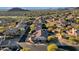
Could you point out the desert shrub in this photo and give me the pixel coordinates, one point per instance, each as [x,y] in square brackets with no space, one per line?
[72,37]
[50,29]
[77,21]
[77,26]
[66,19]
[51,38]
[52,47]
[32,27]
[25,49]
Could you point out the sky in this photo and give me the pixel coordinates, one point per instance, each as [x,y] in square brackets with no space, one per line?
[39,3]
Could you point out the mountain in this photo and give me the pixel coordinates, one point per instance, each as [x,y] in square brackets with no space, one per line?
[76,7]
[17,9]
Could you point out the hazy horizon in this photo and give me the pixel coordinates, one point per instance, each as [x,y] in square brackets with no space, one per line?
[30,8]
